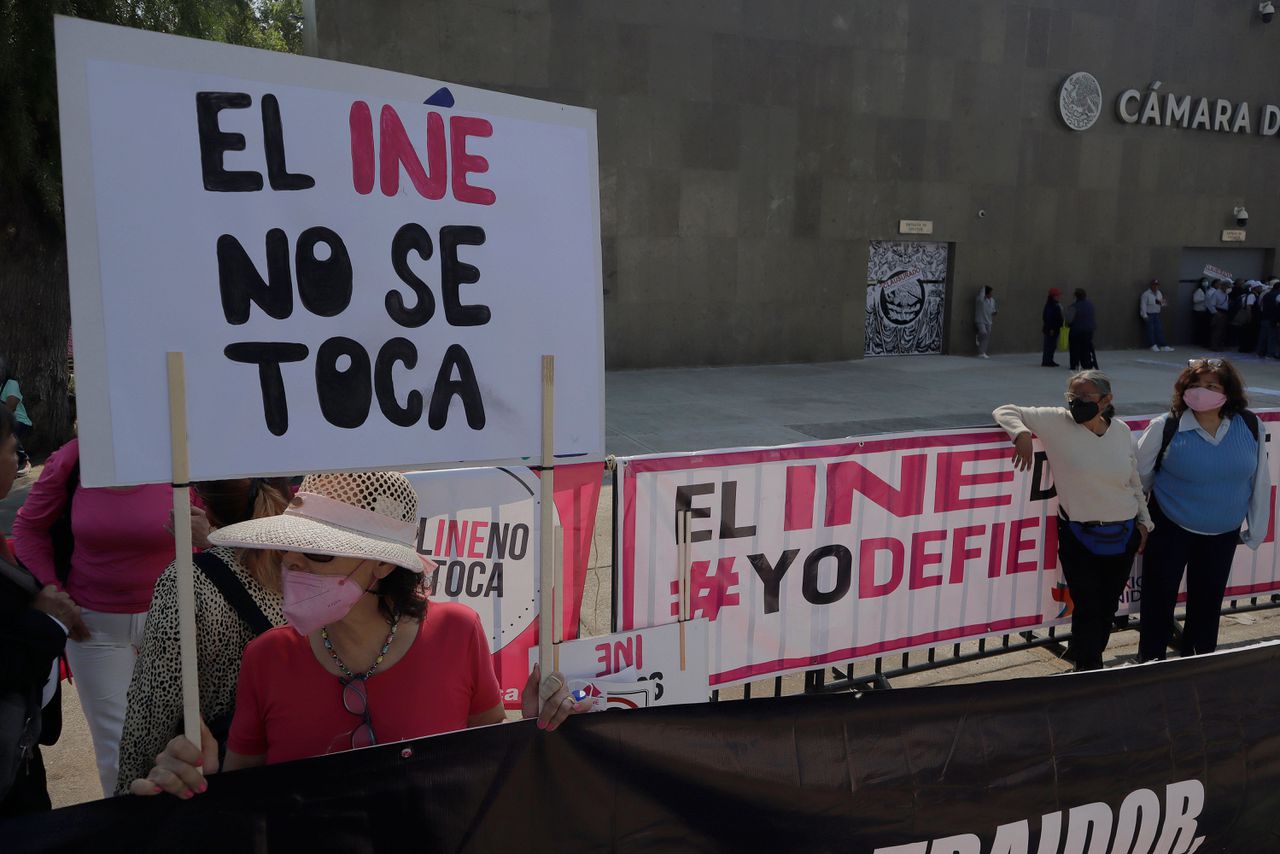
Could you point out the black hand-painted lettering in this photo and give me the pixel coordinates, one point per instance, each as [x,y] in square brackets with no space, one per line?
[454,273]
[240,283]
[684,501]
[464,387]
[323,286]
[729,513]
[345,395]
[1040,468]
[396,350]
[268,356]
[273,139]
[771,576]
[844,574]
[411,236]
[214,142]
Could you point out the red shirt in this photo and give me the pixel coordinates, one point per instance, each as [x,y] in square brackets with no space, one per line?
[289,707]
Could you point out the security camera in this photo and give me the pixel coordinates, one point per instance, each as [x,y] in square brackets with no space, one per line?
[1267,10]
[1241,215]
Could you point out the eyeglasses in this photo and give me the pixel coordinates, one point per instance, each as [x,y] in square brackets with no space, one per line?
[1205,363]
[1087,398]
[355,699]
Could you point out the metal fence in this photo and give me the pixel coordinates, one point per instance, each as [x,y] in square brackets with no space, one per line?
[831,680]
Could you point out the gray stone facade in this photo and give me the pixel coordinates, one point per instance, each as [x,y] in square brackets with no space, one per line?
[751,149]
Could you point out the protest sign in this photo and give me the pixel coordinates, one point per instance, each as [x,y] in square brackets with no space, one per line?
[813,554]
[361,267]
[1175,756]
[658,666]
[481,525]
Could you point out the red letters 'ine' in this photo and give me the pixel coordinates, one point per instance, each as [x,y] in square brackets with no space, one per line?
[395,149]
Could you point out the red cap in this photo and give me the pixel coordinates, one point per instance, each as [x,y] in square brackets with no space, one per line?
[1054,292]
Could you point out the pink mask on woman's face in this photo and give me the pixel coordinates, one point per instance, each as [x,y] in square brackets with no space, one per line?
[1203,399]
[312,601]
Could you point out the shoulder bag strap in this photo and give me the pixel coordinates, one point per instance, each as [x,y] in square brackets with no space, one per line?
[1170,430]
[1251,418]
[233,590]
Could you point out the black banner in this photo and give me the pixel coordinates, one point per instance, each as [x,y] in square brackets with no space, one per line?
[1174,757]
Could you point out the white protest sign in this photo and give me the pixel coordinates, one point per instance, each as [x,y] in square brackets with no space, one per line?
[358,279]
[1217,272]
[642,667]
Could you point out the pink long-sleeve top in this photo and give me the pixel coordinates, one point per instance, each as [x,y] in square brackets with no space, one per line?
[122,541]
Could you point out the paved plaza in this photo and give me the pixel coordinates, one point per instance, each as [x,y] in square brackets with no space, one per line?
[688,409]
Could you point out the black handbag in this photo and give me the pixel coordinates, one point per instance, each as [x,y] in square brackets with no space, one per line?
[20,718]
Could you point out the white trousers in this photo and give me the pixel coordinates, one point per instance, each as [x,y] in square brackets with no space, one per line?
[102,667]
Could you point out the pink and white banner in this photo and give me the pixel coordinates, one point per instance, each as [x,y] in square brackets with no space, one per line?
[816,554]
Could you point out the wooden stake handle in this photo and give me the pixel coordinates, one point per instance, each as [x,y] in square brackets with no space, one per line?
[546,527]
[182,548]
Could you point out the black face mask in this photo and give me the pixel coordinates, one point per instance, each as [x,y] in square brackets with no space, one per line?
[1083,410]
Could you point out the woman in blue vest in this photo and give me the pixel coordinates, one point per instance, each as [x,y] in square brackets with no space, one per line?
[1208,479]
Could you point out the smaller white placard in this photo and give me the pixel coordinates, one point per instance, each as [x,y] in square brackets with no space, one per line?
[640,668]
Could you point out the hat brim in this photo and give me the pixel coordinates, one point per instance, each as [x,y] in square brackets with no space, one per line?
[294,533]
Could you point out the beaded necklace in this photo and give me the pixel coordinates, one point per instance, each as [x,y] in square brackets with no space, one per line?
[328,645]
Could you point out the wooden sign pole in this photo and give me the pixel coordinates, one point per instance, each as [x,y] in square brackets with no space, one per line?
[558,599]
[683,558]
[182,548]
[546,526]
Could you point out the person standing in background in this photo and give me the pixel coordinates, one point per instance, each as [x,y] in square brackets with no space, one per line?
[122,541]
[35,623]
[1083,322]
[1149,307]
[1200,313]
[1269,328]
[984,315]
[1051,325]
[1251,316]
[1216,304]
[11,396]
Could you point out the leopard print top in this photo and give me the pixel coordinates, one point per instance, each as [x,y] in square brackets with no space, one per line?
[154,713]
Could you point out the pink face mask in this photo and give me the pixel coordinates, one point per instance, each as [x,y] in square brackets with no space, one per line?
[1203,399]
[312,601]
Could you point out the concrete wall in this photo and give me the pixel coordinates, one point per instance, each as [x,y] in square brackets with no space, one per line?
[750,149]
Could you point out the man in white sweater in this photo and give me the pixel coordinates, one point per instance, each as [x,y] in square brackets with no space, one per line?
[1102,512]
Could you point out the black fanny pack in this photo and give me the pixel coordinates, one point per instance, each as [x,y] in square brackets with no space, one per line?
[1102,538]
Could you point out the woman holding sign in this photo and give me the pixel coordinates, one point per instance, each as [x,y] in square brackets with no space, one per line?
[237,598]
[364,659]
[1102,514]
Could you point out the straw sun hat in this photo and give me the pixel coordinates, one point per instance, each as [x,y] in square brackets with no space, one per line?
[371,515]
